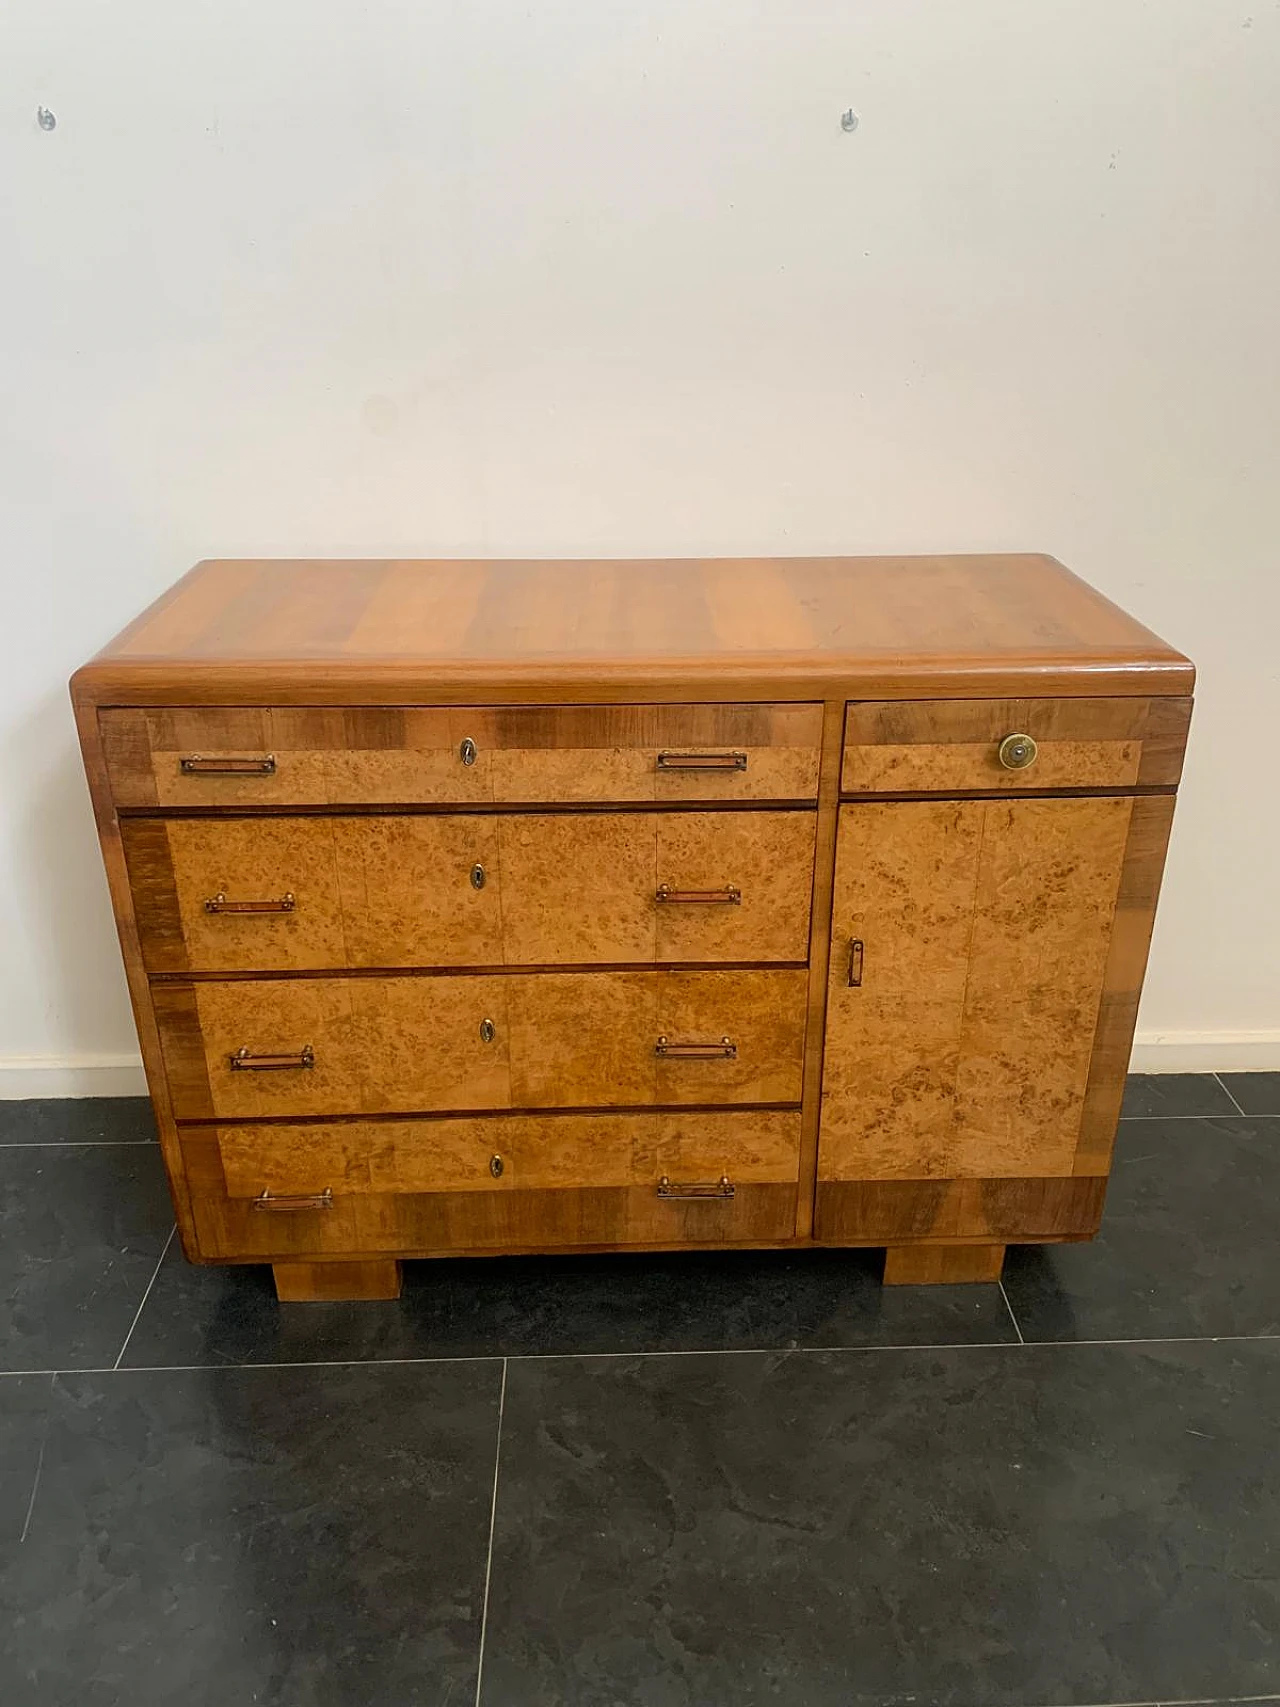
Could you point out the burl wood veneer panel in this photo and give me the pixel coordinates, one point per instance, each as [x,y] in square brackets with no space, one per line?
[471,889]
[418,754]
[949,746]
[437,1222]
[537,1151]
[588,1039]
[986,928]
[548,1040]
[582,888]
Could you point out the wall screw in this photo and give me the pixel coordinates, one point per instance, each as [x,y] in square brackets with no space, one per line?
[45,119]
[849,120]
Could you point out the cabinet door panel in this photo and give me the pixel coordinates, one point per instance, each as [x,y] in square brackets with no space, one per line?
[1046,898]
[985,925]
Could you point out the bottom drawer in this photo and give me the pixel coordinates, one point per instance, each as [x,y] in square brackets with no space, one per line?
[519,1182]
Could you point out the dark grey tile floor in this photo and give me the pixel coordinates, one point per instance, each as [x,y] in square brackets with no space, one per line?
[669,1481]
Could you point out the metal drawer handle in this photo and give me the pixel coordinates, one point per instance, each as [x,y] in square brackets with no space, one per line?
[219,904]
[289,1204]
[702,761]
[722,1187]
[193,764]
[729,896]
[273,1061]
[855,963]
[725,1050]
[1016,752]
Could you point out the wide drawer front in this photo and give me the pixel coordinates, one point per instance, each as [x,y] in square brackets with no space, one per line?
[944,746]
[493,889]
[243,1049]
[510,1181]
[314,756]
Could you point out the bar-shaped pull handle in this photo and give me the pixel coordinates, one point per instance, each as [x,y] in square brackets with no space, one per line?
[285,1203]
[272,1060]
[219,904]
[729,896]
[722,1187]
[702,761]
[855,963]
[195,764]
[668,1050]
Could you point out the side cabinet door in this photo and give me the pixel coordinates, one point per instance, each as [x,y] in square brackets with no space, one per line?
[969,950]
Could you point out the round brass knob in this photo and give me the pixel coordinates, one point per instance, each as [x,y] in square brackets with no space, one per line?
[1016,752]
[467,751]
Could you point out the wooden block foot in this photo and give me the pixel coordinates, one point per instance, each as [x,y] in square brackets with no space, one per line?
[314,1282]
[940,1265]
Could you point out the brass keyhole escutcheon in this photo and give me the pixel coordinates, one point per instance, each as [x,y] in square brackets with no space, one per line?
[1016,752]
[477,876]
[496,1166]
[488,1031]
[467,751]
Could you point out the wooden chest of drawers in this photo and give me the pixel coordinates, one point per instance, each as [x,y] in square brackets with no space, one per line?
[475,907]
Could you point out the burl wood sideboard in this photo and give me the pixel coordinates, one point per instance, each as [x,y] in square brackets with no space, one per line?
[479,907]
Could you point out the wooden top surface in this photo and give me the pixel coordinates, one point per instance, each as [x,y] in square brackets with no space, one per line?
[257,631]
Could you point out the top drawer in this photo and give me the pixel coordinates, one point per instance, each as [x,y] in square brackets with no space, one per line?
[986,745]
[316,756]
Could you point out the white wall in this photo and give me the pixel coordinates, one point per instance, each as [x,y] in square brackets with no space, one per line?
[574,277]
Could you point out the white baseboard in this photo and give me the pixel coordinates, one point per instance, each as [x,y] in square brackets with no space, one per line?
[1206,1052]
[1153,1052]
[71,1076]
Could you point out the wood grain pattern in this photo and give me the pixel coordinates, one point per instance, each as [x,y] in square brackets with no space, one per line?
[385,1045]
[579,889]
[437,1222]
[587,1039]
[364,633]
[381,1044]
[1001,911]
[1149,827]
[819,958]
[326,1282]
[405,895]
[144,1017]
[946,746]
[176,866]
[963,1097]
[538,1151]
[391,892]
[768,856]
[1004,1211]
[941,1265]
[413,755]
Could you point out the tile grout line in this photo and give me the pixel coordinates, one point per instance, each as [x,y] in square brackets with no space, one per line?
[1224,1114]
[1196,1701]
[493,1515]
[85,1144]
[697,1351]
[1227,1088]
[142,1306]
[1017,1326]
